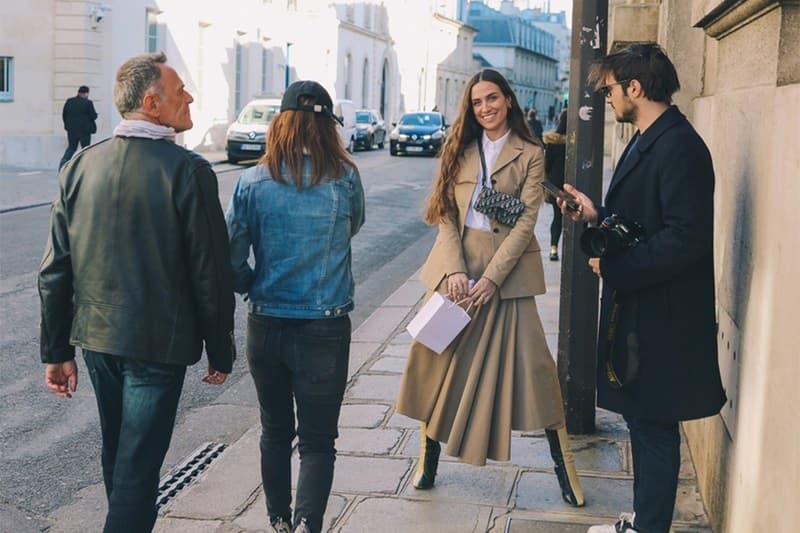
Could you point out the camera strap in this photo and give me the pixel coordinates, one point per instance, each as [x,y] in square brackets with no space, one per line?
[485,179]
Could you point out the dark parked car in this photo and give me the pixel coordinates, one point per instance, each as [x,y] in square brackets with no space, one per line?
[369,129]
[421,133]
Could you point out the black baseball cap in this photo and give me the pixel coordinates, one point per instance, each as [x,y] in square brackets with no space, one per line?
[313,90]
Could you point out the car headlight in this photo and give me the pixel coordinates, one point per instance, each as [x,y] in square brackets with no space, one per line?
[402,138]
[426,137]
[437,135]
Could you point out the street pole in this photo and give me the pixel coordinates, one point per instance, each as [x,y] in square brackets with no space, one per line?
[577,330]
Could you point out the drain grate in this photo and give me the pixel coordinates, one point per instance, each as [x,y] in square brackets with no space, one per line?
[185,472]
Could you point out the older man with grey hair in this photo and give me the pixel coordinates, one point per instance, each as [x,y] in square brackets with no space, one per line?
[137,274]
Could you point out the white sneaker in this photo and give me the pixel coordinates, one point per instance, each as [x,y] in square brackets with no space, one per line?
[302,527]
[280,526]
[624,524]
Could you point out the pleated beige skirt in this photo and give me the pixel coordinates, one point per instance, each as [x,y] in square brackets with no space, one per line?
[497,376]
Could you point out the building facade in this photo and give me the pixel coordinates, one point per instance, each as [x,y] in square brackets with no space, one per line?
[523,53]
[739,68]
[556,25]
[393,56]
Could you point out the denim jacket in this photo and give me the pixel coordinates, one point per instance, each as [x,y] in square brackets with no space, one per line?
[300,241]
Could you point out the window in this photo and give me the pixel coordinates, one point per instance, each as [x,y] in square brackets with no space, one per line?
[151,42]
[264,69]
[237,91]
[347,76]
[365,85]
[6,79]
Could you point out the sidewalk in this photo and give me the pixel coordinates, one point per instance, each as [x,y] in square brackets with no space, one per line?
[377,456]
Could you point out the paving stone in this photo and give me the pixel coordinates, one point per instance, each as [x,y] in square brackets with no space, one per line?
[255,517]
[375,387]
[182,525]
[401,421]
[687,467]
[364,475]
[402,338]
[524,525]
[396,350]
[611,425]
[226,487]
[589,454]
[604,497]
[487,485]
[405,516]
[375,441]
[395,365]
[360,353]
[407,295]
[380,324]
[363,415]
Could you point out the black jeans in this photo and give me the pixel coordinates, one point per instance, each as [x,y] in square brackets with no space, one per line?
[656,447]
[137,401]
[72,146]
[555,225]
[305,361]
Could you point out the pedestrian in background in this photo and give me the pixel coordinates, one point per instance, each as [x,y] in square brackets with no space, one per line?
[136,273]
[535,124]
[298,210]
[658,295]
[555,153]
[79,117]
[498,375]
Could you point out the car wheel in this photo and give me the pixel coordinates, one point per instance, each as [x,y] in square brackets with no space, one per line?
[351,146]
[370,142]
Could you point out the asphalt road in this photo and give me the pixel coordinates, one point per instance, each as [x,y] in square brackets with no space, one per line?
[49,447]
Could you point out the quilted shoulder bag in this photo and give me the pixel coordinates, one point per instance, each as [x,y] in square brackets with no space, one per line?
[502,207]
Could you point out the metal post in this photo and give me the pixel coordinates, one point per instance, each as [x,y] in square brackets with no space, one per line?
[577,332]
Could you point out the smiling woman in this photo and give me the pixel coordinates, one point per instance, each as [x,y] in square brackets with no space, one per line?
[498,375]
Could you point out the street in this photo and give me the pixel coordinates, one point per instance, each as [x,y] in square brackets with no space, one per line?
[50,448]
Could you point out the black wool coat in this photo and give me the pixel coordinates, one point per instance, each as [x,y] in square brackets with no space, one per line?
[79,115]
[666,283]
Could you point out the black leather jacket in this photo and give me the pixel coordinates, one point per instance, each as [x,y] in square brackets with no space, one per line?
[137,263]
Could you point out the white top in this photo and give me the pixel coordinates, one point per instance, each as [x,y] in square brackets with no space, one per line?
[491,149]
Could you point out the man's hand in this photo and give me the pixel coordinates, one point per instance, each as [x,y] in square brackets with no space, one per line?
[586,211]
[594,264]
[214,377]
[482,291]
[457,286]
[62,378]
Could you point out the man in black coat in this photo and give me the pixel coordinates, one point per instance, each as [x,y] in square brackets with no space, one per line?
[658,294]
[78,116]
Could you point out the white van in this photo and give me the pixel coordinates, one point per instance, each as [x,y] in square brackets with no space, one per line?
[346,111]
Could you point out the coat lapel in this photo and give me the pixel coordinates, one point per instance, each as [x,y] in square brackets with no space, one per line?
[510,151]
[629,161]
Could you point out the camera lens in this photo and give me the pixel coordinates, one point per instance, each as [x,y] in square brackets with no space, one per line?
[594,242]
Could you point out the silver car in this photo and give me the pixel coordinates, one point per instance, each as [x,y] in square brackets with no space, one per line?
[246,137]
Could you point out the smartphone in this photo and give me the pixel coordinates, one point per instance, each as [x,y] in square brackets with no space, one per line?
[552,190]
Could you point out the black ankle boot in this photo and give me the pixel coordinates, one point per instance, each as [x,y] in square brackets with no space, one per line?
[428,463]
[567,475]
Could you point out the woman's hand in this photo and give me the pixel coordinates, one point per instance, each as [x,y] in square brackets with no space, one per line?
[457,286]
[482,291]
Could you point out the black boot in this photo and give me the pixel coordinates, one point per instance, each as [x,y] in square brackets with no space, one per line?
[428,461]
[567,475]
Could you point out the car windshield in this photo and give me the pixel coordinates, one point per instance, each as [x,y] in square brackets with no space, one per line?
[259,114]
[362,117]
[421,119]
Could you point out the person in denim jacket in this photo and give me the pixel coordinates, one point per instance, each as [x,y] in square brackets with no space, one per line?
[298,209]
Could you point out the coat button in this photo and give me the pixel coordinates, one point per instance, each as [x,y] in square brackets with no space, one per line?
[494,182]
[496,230]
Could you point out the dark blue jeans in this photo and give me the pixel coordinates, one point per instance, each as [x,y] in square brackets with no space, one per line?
[137,401]
[656,448]
[302,362]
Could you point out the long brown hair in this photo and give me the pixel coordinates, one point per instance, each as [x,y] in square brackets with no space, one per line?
[465,131]
[294,134]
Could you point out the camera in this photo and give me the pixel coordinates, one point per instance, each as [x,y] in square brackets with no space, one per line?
[613,235]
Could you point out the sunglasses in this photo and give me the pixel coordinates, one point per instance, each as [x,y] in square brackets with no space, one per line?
[605,90]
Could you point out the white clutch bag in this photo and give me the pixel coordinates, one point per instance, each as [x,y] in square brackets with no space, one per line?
[438,323]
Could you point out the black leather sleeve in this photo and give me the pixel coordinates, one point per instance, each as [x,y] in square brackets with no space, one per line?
[56,291]
[208,258]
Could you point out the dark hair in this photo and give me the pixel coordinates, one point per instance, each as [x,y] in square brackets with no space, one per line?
[466,130]
[294,134]
[645,63]
[83,89]
[562,123]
